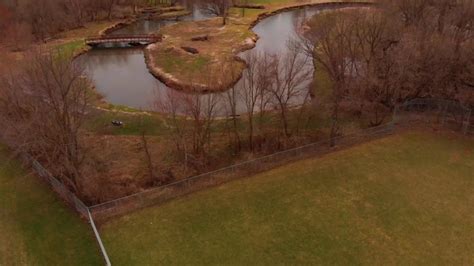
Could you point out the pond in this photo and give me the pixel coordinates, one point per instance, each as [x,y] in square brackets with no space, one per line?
[122,77]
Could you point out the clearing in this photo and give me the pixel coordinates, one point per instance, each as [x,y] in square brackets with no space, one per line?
[403,199]
[36,227]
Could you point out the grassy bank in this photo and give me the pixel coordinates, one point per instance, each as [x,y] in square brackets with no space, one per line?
[37,228]
[405,199]
[214,66]
[179,68]
[70,43]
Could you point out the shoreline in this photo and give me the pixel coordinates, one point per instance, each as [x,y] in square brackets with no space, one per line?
[117,26]
[178,84]
[342,4]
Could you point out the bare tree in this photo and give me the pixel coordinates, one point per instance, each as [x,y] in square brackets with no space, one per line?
[330,44]
[231,98]
[218,8]
[290,75]
[6,17]
[108,6]
[77,10]
[412,11]
[251,89]
[191,117]
[43,110]
[172,104]
[375,64]
[443,8]
[372,88]
[201,109]
[146,150]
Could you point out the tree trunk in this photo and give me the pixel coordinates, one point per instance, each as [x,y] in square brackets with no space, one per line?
[147,155]
[334,124]
[251,132]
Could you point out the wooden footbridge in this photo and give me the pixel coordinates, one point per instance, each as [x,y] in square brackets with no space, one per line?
[124,39]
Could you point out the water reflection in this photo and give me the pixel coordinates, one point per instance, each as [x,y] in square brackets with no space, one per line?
[151,26]
[122,77]
[142,27]
[277,30]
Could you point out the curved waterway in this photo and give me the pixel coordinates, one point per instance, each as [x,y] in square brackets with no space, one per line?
[122,77]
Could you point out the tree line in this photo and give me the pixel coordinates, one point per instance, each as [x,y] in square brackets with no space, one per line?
[26,21]
[401,50]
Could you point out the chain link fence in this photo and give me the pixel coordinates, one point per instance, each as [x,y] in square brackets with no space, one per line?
[185,186]
[436,112]
[442,113]
[57,186]
[432,112]
[65,194]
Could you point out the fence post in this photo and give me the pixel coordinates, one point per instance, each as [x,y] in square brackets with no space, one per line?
[467,122]
[99,240]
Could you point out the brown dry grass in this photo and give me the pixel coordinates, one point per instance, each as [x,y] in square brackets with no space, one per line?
[119,167]
[216,55]
[8,59]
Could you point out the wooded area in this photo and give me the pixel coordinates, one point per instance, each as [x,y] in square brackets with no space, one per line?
[25,21]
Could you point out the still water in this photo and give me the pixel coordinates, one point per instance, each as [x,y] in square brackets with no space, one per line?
[122,77]
[150,26]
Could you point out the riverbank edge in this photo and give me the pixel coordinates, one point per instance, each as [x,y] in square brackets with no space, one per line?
[340,4]
[101,103]
[175,83]
[119,25]
[86,48]
[178,84]
[122,24]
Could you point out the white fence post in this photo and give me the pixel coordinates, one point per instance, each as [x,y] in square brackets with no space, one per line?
[99,240]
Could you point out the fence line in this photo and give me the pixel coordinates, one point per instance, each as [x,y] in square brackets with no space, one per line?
[447,113]
[65,194]
[70,198]
[450,114]
[185,186]
[57,186]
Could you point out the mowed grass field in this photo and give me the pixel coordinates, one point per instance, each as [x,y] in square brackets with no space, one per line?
[35,227]
[406,199]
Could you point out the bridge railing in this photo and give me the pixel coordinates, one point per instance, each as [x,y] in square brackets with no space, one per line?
[125,36]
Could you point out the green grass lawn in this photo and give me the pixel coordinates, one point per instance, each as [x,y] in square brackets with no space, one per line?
[35,227]
[405,199]
[69,49]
